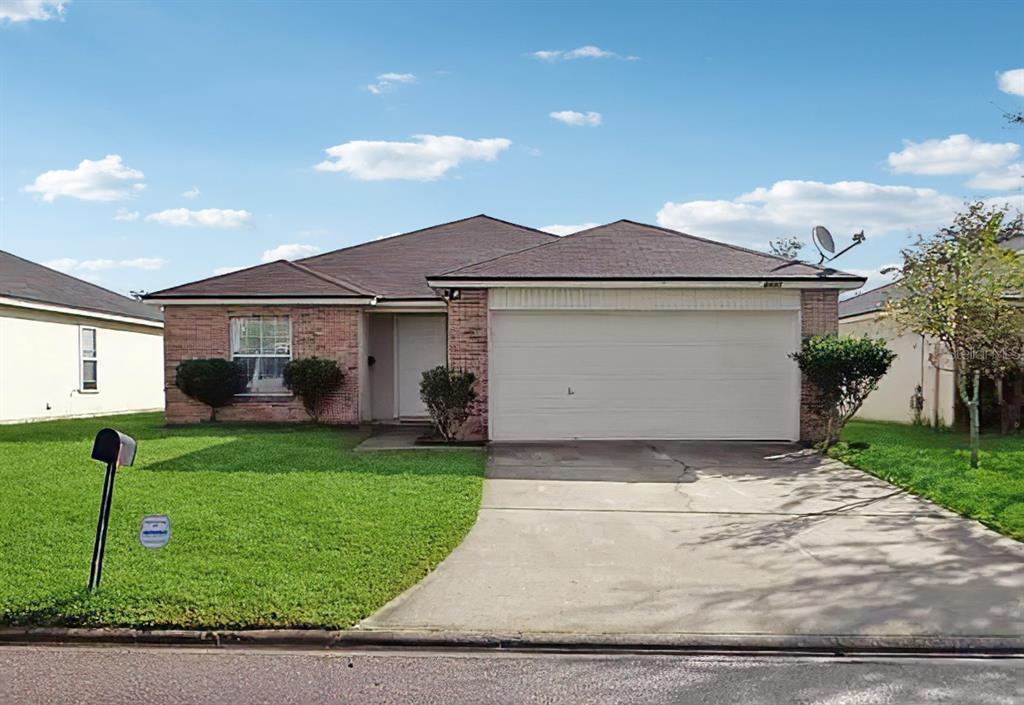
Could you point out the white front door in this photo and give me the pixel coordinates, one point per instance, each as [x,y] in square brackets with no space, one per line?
[657,375]
[422,345]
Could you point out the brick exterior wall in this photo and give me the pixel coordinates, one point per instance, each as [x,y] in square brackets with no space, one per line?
[204,331]
[467,350]
[819,314]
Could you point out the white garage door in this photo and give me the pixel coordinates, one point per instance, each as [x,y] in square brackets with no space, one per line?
[648,375]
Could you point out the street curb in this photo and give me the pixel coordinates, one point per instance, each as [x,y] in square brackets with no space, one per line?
[583,643]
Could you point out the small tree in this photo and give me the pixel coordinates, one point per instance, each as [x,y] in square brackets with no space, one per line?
[845,370]
[961,288]
[785,247]
[313,379]
[449,396]
[213,381]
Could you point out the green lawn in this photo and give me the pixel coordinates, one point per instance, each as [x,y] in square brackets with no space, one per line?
[272,526]
[937,466]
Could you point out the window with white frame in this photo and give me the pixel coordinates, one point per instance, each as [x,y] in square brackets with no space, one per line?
[88,359]
[264,345]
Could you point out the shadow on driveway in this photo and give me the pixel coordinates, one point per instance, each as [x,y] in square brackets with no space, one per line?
[690,538]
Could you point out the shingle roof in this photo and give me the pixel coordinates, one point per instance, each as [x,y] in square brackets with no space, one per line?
[629,250]
[28,281]
[393,268]
[274,279]
[869,301]
[397,267]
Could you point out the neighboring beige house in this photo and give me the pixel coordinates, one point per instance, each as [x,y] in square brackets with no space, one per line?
[915,363]
[864,314]
[70,348]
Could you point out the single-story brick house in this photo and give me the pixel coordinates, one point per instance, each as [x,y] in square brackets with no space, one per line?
[623,331]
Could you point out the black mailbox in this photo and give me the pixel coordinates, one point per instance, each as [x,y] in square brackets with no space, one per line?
[115,447]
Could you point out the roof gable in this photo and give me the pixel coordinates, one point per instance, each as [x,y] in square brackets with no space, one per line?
[27,281]
[629,250]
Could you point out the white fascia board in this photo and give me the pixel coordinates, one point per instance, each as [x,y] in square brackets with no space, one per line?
[776,283]
[81,312]
[263,302]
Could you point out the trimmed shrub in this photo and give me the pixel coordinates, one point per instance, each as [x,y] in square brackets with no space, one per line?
[845,370]
[313,379]
[212,381]
[449,396]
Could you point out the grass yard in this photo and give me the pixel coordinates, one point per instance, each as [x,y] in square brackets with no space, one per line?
[272,526]
[936,465]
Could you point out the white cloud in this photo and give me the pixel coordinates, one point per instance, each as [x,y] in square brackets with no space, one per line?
[289,252]
[562,230]
[957,154]
[226,270]
[1012,82]
[25,10]
[588,51]
[205,218]
[70,265]
[124,215]
[1007,178]
[193,192]
[385,81]
[576,119]
[107,179]
[426,159]
[793,207]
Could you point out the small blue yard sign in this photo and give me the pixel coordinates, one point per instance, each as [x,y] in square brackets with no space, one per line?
[155,531]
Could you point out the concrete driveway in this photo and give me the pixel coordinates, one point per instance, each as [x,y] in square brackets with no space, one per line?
[710,538]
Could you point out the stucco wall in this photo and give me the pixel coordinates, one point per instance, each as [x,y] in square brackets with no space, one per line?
[891,401]
[39,366]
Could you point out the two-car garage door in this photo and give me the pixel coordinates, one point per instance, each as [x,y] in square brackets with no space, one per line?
[712,374]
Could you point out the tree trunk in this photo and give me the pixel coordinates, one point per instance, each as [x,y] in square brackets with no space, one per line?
[972,401]
[213,414]
[975,414]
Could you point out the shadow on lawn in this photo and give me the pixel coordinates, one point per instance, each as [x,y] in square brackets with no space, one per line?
[85,430]
[250,455]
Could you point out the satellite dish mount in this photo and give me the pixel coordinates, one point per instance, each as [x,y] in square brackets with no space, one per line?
[826,244]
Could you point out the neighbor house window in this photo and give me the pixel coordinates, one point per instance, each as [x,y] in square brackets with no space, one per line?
[264,345]
[88,359]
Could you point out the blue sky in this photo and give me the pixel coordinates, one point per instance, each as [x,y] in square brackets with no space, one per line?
[149,144]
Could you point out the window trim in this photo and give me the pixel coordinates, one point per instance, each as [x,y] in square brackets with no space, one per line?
[236,356]
[82,359]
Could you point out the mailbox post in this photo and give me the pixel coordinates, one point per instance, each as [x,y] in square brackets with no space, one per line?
[116,450]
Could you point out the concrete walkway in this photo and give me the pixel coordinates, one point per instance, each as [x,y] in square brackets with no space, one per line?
[711,538]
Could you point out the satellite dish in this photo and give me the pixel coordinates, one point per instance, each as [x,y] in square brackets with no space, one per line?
[827,245]
[823,238]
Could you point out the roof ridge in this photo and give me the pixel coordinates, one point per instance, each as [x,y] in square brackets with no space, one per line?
[337,281]
[508,254]
[420,230]
[725,244]
[65,275]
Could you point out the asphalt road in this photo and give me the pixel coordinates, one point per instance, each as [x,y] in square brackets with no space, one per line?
[153,675]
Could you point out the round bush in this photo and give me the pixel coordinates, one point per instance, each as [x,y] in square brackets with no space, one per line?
[212,381]
[313,379]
